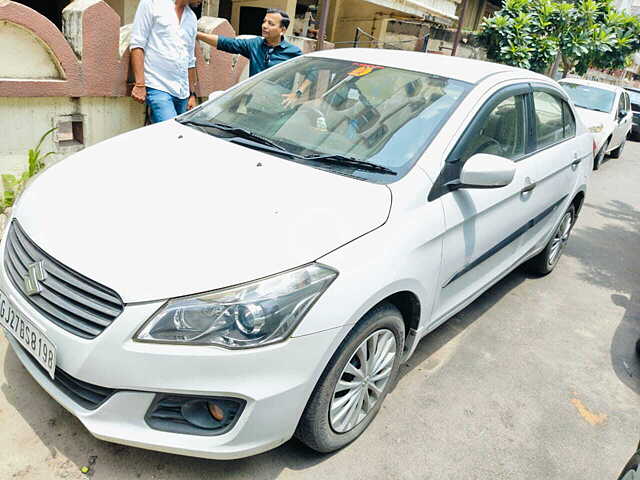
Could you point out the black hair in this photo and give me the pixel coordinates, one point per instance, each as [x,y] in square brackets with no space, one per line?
[284,22]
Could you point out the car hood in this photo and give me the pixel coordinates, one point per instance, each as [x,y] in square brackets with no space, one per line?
[591,118]
[167,211]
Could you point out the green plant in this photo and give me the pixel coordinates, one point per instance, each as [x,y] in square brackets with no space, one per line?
[14,185]
[579,34]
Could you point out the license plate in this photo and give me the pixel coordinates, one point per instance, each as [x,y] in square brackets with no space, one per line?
[30,337]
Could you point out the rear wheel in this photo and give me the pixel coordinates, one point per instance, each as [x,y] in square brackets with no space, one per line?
[355,382]
[547,259]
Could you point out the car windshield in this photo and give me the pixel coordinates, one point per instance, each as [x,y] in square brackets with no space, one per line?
[377,114]
[592,98]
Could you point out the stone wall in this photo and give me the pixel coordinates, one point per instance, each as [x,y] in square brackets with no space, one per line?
[78,76]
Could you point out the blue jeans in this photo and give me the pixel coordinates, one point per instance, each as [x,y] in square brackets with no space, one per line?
[164,106]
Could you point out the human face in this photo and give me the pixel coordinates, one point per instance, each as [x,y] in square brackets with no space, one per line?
[272,28]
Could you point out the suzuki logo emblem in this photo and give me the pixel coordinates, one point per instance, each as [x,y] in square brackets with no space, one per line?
[35,274]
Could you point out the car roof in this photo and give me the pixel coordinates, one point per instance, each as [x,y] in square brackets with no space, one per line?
[590,83]
[457,68]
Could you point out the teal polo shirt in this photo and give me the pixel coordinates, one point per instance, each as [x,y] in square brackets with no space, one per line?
[261,56]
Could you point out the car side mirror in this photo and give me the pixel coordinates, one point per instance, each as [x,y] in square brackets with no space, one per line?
[215,94]
[483,170]
[622,114]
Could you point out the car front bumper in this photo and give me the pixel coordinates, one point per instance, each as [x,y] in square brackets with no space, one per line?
[275,381]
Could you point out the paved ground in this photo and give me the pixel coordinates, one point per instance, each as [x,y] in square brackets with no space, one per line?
[535,380]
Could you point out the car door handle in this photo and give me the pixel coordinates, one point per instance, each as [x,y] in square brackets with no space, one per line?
[528,185]
[575,163]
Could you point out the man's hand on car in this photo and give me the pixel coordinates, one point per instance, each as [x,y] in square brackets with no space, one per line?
[289,99]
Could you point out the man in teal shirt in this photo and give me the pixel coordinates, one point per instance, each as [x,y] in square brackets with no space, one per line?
[263,52]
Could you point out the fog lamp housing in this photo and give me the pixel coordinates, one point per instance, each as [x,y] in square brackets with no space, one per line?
[194,415]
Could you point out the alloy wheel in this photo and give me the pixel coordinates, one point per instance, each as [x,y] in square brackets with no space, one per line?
[560,238]
[362,381]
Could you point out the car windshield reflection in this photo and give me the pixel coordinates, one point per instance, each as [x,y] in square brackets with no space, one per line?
[591,98]
[381,115]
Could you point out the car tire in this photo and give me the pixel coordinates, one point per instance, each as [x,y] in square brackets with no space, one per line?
[326,429]
[618,151]
[597,161]
[544,262]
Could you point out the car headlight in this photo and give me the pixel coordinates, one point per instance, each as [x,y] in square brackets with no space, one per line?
[250,315]
[596,128]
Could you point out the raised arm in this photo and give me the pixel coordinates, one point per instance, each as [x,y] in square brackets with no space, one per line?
[227,44]
[209,38]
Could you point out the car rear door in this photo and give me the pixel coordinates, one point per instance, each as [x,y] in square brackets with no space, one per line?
[484,227]
[559,158]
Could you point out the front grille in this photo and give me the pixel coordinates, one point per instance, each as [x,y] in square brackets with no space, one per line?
[84,394]
[69,300]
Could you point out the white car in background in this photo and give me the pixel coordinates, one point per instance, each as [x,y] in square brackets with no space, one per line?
[605,110]
[215,284]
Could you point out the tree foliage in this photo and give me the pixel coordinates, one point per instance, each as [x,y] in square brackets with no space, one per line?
[584,33]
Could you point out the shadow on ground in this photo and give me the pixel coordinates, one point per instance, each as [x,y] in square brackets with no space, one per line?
[610,259]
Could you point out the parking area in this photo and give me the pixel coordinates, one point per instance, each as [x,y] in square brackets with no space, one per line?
[537,379]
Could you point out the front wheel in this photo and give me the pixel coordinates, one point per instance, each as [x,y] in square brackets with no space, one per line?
[599,156]
[355,382]
[547,259]
[618,151]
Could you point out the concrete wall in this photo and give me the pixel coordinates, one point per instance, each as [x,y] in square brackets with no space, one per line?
[50,78]
[473,14]
[347,15]
[126,9]
[29,118]
[37,61]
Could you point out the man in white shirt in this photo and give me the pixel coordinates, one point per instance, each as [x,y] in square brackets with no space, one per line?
[163,57]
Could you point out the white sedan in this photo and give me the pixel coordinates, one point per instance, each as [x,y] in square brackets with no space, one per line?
[213,285]
[605,110]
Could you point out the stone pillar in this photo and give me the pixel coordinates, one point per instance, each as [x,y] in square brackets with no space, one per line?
[210,8]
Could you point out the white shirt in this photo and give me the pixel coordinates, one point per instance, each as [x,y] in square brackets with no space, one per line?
[169,45]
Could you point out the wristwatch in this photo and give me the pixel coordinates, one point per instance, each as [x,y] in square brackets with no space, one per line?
[193,94]
[299,93]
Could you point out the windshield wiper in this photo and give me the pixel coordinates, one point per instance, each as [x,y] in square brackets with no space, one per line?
[350,161]
[274,147]
[239,131]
